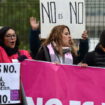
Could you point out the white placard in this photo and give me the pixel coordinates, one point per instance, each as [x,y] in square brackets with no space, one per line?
[9,83]
[62,12]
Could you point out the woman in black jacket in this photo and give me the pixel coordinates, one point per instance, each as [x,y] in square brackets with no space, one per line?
[59,47]
[97,57]
[57,41]
[35,44]
[34,39]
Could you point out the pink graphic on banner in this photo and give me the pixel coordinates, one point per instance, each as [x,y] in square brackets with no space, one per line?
[14,95]
[51,84]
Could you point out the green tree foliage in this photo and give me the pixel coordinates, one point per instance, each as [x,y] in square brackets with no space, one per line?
[16,13]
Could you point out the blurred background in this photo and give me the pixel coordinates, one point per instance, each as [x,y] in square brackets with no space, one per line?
[16,13]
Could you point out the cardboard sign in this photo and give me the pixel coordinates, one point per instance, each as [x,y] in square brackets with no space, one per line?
[9,83]
[62,12]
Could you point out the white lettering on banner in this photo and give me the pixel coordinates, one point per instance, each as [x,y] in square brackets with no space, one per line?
[79,103]
[39,101]
[74,103]
[88,103]
[30,101]
[55,101]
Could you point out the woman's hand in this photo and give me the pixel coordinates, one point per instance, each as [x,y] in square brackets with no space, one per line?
[56,63]
[33,23]
[83,64]
[84,35]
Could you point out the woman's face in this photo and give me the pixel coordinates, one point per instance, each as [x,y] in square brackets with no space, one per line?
[66,37]
[10,38]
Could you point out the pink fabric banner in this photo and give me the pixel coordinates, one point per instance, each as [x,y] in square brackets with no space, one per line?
[51,84]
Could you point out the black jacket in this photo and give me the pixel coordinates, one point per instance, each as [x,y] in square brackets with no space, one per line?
[43,53]
[34,42]
[95,58]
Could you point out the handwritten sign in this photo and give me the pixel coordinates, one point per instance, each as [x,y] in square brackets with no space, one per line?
[62,12]
[9,83]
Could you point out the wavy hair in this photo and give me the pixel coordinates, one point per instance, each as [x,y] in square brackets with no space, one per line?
[56,37]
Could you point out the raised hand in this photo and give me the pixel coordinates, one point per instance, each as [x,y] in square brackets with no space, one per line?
[84,35]
[33,23]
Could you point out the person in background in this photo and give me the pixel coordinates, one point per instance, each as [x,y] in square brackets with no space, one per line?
[96,57]
[10,52]
[9,46]
[34,39]
[83,44]
[35,42]
[59,47]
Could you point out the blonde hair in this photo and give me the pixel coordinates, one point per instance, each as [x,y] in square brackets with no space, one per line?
[56,37]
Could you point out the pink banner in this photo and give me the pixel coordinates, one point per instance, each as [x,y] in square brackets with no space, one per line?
[51,84]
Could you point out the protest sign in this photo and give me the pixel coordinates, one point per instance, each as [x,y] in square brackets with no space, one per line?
[51,84]
[62,12]
[9,83]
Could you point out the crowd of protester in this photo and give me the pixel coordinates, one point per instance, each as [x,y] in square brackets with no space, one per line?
[59,47]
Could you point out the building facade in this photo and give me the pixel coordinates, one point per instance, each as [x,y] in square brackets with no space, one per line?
[95,17]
